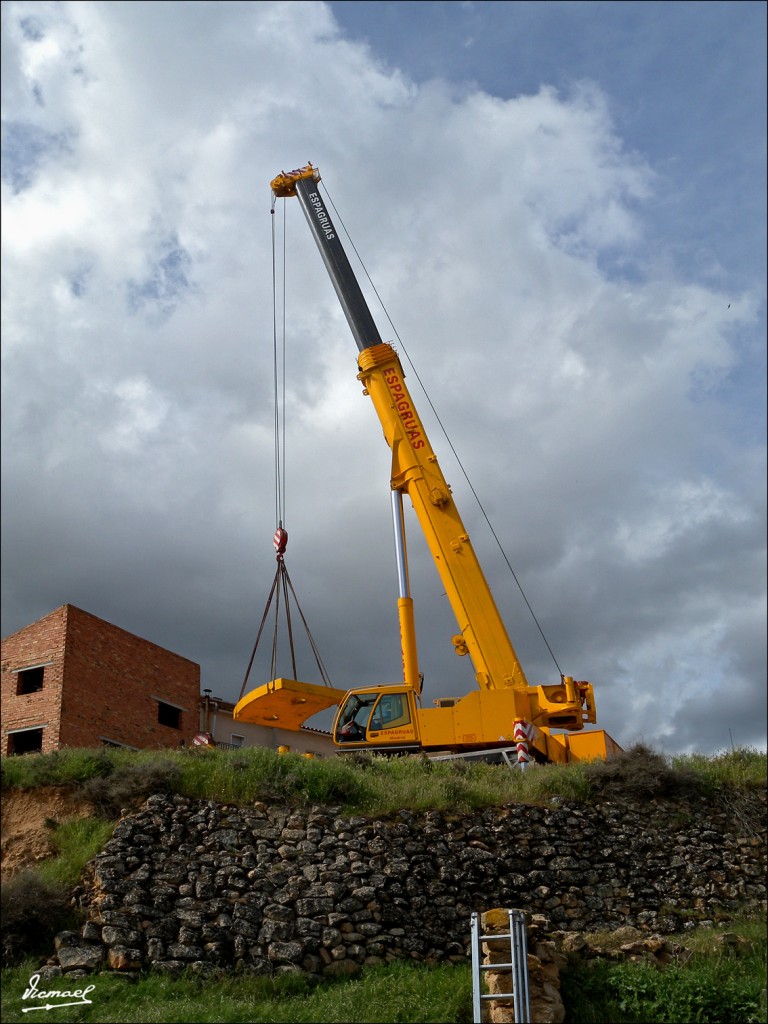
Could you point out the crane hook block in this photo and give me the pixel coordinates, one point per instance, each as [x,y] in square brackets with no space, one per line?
[280,541]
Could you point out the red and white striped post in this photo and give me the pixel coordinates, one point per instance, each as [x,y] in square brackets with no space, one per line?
[521,734]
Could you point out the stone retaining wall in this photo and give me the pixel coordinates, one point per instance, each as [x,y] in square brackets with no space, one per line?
[264,889]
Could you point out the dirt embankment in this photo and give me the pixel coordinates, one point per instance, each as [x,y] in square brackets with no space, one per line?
[27,819]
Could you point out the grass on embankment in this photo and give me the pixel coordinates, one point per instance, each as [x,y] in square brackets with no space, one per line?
[380,995]
[719,983]
[358,783]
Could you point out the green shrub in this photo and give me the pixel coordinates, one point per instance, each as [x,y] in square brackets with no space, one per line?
[32,911]
[641,773]
[636,993]
[36,902]
[719,982]
[65,767]
[128,782]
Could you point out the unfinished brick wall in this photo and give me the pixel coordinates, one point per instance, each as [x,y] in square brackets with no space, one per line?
[101,684]
[41,644]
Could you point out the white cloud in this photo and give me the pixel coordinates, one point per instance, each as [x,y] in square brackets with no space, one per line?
[680,510]
[138,413]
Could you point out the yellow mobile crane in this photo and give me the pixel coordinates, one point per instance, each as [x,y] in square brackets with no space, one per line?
[505,712]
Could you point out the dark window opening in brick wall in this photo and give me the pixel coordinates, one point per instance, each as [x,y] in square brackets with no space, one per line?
[168,715]
[29,680]
[27,741]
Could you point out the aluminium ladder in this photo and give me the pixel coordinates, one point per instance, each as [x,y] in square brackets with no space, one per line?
[518,965]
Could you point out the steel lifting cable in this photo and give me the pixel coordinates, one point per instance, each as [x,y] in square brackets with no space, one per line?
[278,364]
[480,505]
[282,587]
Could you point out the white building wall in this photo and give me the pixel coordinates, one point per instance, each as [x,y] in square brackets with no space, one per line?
[216,719]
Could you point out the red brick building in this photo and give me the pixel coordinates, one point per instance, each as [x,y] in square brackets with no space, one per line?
[73,680]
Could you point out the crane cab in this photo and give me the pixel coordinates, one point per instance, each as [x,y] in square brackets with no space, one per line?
[377,717]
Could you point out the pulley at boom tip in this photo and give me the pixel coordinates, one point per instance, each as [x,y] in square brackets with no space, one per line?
[284,185]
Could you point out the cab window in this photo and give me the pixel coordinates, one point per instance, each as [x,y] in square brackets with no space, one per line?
[391,711]
[353,719]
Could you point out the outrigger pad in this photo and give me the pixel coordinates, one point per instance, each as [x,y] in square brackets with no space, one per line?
[286,703]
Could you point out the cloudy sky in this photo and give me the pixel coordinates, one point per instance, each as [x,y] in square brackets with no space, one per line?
[562,208]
